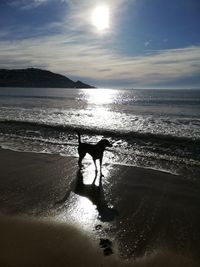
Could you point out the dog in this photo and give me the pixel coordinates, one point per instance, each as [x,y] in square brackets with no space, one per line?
[96,151]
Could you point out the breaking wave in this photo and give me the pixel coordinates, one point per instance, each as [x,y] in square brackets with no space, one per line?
[145,136]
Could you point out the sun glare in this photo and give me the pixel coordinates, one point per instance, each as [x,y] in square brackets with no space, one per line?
[101,17]
[100,96]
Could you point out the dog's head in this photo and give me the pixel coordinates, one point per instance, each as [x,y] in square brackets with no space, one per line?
[104,143]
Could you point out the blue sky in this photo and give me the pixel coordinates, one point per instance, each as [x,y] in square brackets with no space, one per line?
[148,44]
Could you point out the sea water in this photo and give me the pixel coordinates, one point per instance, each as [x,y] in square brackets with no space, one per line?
[154,128]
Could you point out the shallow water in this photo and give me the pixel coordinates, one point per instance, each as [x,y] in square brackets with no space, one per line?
[151,128]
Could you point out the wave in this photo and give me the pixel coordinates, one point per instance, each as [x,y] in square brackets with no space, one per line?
[130,135]
[125,101]
[39,139]
[175,154]
[36,97]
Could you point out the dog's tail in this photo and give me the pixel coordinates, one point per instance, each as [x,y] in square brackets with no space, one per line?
[79,137]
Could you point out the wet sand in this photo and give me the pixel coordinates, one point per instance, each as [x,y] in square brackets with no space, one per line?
[151,217]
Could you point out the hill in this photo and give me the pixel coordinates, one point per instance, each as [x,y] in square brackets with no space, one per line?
[33,77]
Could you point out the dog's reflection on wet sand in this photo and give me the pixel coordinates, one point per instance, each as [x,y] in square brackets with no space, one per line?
[95,194]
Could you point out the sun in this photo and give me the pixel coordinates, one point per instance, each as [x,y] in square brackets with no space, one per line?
[101,17]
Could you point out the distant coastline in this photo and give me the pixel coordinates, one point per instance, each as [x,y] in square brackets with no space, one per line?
[33,77]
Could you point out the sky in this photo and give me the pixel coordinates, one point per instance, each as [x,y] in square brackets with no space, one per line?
[110,43]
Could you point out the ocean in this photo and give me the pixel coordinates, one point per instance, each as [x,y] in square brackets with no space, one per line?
[154,128]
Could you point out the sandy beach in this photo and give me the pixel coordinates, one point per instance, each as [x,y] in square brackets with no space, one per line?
[50,211]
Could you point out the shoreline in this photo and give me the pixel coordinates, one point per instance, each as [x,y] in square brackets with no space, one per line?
[141,210]
[115,163]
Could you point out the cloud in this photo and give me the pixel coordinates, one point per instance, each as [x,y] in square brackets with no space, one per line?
[78,17]
[76,14]
[70,55]
[26,4]
[147,43]
[77,50]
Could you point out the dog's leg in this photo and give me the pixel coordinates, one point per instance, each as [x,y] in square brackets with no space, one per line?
[100,161]
[95,165]
[93,183]
[81,156]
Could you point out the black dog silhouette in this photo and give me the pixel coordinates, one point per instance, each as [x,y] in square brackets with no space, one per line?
[96,151]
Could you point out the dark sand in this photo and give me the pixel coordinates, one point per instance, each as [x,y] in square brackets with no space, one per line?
[151,217]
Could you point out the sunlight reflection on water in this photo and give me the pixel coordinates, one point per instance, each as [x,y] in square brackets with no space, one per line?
[100,96]
[99,111]
[86,205]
